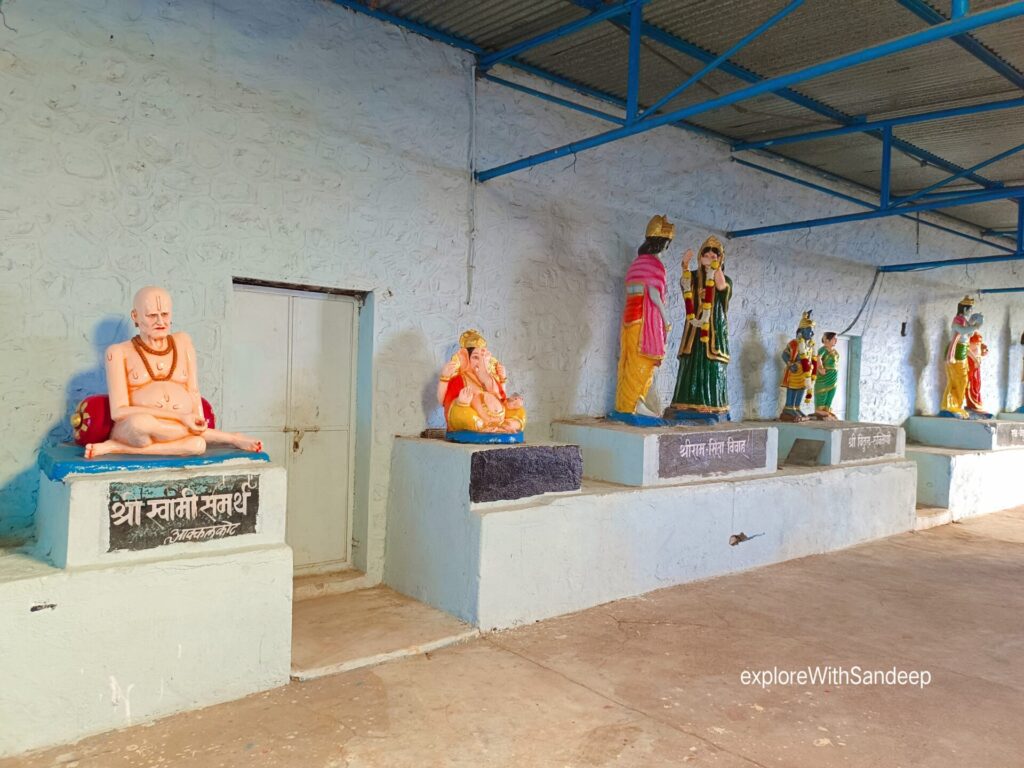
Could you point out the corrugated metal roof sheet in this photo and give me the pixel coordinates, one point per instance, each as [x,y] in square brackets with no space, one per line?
[931,77]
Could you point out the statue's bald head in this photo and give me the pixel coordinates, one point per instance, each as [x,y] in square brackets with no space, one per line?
[151,312]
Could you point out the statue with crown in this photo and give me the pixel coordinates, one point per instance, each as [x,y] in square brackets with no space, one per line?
[471,390]
[702,384]
[645,327]
[802,368]
[958,352]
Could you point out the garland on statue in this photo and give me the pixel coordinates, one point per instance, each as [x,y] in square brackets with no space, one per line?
[810,371]
[707,300]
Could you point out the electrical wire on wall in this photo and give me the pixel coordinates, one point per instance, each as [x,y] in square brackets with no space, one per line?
[876,280]
[471,212]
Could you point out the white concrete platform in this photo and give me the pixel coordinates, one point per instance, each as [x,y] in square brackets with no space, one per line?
[966,434]
[167,589]
[614,452]
[841,442]
[1011,416]
[968,483]
[497,566]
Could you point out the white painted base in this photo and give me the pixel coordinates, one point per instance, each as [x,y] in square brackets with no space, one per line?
[968,483]
[500,566]
[90,650]
[73,519]
[966,434]
[614,452]
[843,442]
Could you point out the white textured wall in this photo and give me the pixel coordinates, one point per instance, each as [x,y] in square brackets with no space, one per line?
[186,142]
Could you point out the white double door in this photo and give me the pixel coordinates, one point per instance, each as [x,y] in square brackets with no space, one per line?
[290,381]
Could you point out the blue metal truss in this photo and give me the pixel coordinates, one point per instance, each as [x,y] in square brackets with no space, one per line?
[924,11]
[772,85]
[638,28]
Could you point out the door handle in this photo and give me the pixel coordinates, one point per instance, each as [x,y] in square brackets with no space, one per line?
[297,434]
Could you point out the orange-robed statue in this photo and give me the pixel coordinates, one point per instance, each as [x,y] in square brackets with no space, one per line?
[153,387]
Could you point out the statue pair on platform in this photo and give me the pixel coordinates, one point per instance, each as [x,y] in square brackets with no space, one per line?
[702,391]
[809,374]
[153,406]
[961,398]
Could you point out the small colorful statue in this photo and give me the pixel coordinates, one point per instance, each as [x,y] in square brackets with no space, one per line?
[825,385]
[957,372]
[702,386]
[153,404]
[803,366]
[645,326]
[976,350]
[471,390]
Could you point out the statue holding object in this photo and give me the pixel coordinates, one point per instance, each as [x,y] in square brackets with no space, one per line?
[957,368]
[702,386]
[976,351]
[803,366]
[825,385]
[645,326]
[153,391]
[471,389]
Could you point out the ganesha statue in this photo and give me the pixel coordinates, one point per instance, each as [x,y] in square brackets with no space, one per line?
[471,390]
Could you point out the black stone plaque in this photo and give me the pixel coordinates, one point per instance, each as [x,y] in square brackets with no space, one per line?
[711,452]
[870,441]
[805,452]
[1009,434]
[147,515]
[505,474]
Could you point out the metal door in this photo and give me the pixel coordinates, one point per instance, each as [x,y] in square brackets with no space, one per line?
[290,381]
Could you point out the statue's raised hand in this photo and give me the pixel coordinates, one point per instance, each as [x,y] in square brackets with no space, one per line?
[687,258]
[450,369]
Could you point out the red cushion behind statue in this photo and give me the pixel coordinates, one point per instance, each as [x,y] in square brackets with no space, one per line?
[91,420]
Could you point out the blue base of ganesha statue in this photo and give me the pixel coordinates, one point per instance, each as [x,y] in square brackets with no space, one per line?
[484,438]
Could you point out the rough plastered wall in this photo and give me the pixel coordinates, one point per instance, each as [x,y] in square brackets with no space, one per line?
[185,142]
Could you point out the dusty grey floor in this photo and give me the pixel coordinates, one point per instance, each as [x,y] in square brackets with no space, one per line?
[656,680]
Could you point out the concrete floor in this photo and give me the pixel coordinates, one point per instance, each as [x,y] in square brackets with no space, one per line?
[655,681]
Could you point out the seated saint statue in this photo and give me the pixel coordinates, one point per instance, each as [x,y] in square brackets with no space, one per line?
[471,390]
[153,387]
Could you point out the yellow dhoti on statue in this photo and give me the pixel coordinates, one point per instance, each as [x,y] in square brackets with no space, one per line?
[636,371]
[956,387]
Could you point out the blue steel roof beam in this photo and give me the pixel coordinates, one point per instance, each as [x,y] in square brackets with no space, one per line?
[1001,290]
[943,182]
[772,85]
[968,198]
[723,57]
[685,47]
[488,60]
[968,43]
[865,203]
[875,125]
[920,266]
[636,20]
[457,42]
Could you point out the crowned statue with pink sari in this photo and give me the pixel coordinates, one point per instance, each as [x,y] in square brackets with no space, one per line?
[645,326]
[471,389]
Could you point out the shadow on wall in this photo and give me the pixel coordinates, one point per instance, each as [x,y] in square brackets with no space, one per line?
[753,362]
[18,495]
[919,358]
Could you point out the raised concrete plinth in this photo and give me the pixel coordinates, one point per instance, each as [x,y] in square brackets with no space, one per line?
[134,628]
[499,565]
[1011,416]
[967,434]
[828,443]
[85,515]
[614,452]
[968,483]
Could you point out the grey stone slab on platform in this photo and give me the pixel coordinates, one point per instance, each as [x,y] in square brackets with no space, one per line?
[712,452]
[966,434]
[507,474]
[842,442]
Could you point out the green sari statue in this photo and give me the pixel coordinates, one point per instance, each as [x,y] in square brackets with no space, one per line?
[702,386]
